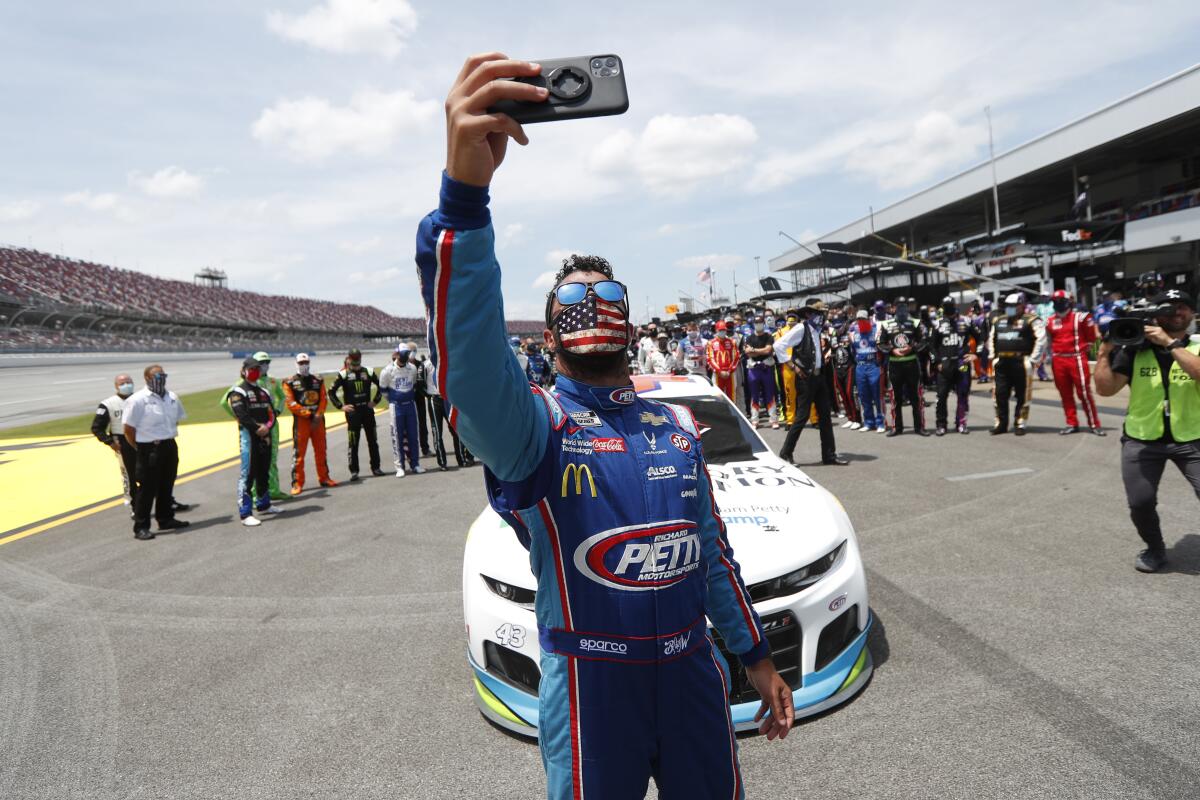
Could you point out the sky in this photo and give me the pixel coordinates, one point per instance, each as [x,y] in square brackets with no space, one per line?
[296,144]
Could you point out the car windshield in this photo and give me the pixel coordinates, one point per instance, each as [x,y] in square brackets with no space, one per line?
[724,434]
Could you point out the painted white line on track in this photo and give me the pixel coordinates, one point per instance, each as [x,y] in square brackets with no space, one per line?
[978,476]
[79,380]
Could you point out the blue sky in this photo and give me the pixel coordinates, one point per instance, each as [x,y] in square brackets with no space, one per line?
[296,143]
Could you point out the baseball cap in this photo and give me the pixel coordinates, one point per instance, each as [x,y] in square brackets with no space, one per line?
[862,314]
[354,351]
[301,358]
[263,357]
[403,348]
[1173,296]
[250,362]
[720,325]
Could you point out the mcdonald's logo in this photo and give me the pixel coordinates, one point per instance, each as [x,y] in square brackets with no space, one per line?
[578,471]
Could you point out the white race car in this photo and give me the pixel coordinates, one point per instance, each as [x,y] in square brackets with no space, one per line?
[797,551]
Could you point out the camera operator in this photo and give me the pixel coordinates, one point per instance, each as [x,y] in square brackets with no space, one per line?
[1162,423]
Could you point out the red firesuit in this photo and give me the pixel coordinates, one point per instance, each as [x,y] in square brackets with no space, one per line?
[1070,336]
[723,357]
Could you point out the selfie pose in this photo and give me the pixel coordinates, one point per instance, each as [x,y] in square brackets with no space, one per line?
[628,547]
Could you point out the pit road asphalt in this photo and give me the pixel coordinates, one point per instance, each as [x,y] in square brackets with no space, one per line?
[1017,652]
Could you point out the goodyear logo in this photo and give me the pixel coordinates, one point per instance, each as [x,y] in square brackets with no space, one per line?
[578,472]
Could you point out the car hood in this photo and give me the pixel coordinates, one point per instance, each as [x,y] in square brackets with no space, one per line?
[777,518]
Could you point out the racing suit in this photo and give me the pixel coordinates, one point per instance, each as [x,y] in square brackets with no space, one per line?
[843,375]
[787,383]
[275,392]
[631,684]
[866,373]
[723,356]
[438,412]
[1015,344]
[904,370]
[950,346]
[1071,334]
[982,370]
[355,385]
[692,355]
[760,374]
[108,427]
[399,382]
[538,370]
[305,398]
[252,406]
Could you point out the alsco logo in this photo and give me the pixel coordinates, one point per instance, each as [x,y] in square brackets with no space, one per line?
[640,557]
[623,396]
[579,472]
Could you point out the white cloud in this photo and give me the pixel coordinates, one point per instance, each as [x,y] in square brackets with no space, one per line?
[18,210]
[312,129]
[95,202]
[349,26]
[545,280]
[378,277]
[714,260]
[168,182]
[675,153]
[362,246]
[555,257]
[513,233]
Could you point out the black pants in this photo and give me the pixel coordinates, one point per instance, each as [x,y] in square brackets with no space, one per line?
[359,421]
[1011,378]
[904,386]
[422,421]
[1142,465]
[439,439]
[157,465]
[129,472]
[814,388]
[952,376]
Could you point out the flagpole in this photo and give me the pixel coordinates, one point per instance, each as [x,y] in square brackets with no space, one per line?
[992,152]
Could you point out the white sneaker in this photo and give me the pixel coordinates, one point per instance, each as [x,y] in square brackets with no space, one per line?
[846,424]
[855,426]
[417,470]
[271,510]
[881,430]
[841,415]
[399,472]
[252,522]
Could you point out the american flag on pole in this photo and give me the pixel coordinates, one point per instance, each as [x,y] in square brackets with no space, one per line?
[593,326]
[705,276]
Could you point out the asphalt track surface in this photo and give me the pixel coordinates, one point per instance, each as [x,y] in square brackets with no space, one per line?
[41,387]
[1017,652]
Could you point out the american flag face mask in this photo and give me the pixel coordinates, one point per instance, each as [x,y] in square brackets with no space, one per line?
[592,325]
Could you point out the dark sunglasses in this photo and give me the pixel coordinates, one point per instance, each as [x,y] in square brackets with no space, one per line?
[568,294]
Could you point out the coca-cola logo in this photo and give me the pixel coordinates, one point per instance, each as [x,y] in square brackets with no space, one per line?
[608,445]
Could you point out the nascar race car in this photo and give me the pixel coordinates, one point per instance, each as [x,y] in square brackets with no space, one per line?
[797,551]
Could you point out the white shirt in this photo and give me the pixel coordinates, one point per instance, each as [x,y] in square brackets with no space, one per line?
[155,418]
[792,338]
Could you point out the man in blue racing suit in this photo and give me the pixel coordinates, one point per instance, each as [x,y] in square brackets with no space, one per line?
[609,491]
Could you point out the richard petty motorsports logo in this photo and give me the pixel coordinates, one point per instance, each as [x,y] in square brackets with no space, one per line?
[639,558]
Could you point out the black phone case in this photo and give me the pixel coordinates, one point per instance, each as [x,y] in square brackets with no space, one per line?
[585,86]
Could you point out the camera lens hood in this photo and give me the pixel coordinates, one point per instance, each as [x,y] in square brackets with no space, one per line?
[568,83]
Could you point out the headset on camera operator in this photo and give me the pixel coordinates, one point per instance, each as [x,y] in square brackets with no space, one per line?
[1162,422]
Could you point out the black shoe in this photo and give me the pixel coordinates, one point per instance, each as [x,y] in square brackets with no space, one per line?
[353,477]
[893,432]
[787,457]
[173,524]
[1019,430]
[997,431]
[1099,432]
[427,452]
[145,534]
[1067,431]
[1150,561]
[376,472]
[940,431]
[177,506]
[921,432]
[836,461]
[963,430]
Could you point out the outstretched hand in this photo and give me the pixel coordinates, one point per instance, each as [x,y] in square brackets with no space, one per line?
[475,139]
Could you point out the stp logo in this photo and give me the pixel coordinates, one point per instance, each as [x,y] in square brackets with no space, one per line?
[681,442]
[623,396]
[641,557]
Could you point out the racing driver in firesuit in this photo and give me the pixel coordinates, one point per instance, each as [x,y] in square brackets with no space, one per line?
[632,686]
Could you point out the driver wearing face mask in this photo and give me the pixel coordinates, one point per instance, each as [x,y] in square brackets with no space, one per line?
[108,427]
[1017,341]
[1071,335]
[305,396]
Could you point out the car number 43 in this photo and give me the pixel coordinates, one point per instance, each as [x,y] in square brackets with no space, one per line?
[510,635]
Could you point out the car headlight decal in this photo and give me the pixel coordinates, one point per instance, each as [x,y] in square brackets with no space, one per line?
[514,594]
[798,579]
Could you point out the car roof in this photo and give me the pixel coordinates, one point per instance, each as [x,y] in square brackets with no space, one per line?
[664,387]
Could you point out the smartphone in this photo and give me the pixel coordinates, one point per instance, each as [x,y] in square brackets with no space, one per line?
[587,86]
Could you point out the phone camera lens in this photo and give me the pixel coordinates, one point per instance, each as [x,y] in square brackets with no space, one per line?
[609,62]
[597,63]
[606,72]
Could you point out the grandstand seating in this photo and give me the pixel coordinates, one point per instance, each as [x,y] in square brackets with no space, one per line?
[30,277]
